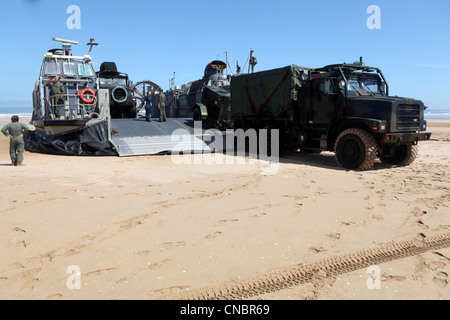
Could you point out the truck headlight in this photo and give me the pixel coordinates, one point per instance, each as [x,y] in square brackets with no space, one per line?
[379,126]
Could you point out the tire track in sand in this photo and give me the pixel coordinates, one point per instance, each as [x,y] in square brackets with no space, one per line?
[284,278]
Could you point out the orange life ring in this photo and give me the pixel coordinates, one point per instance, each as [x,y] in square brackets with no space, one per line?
[82,97]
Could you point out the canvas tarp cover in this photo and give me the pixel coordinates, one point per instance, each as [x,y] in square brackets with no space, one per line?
[91,141]
[265,91]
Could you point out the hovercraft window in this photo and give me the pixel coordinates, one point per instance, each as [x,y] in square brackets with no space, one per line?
[50,68]
[69,69]
[85,70]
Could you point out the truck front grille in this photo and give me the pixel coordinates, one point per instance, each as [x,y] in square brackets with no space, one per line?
[408,117]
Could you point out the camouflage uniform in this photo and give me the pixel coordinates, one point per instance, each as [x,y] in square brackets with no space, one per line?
[162,106]
[57,93]
[16,144]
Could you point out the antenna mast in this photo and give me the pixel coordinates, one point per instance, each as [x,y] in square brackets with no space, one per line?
[172,82]
[228,63]
[253,62]
[92,44]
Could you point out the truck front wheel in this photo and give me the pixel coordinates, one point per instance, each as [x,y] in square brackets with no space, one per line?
[355,149]
[403,155]
[131,113]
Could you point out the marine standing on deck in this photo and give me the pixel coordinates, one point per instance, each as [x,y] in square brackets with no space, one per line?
[57,94]
[162,106]
[148,105]
[15,131]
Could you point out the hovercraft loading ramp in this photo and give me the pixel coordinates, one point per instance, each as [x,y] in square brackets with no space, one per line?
[132,137]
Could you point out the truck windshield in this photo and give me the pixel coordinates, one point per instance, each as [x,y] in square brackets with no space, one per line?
[363,86]
[371,85]
[119,81]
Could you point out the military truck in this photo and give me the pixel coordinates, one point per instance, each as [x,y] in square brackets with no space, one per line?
[345,108]
[205,100]
[122,104]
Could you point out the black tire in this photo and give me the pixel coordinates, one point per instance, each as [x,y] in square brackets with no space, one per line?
[132,113]
[289,144]
[356,149]
[197,114]
[268,151]
[404,155]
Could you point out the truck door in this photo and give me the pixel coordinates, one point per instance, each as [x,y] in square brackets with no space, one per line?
[323,101]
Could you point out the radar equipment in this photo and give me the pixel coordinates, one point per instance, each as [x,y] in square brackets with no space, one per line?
[67,48]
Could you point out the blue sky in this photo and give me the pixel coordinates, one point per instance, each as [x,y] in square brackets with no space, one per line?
[150,40]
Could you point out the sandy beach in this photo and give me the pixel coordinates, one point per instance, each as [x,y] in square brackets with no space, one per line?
[148,228]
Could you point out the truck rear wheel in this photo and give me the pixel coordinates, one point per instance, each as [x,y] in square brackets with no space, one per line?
[268,151]
[403,155]
[197,114]
[355,149]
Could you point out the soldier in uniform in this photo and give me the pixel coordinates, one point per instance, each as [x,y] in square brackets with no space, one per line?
[57,94]
[15,131]
[148,105]
[162,106]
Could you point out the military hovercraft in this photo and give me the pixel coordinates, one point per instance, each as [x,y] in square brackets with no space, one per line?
[72,115]
[74,120]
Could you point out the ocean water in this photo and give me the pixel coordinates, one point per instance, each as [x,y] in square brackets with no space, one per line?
[443,114]
[26,112]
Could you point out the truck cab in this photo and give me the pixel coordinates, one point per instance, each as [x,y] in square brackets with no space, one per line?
[122,104]
[354,98]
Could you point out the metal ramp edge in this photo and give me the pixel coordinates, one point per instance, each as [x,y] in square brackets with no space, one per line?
[133,137]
